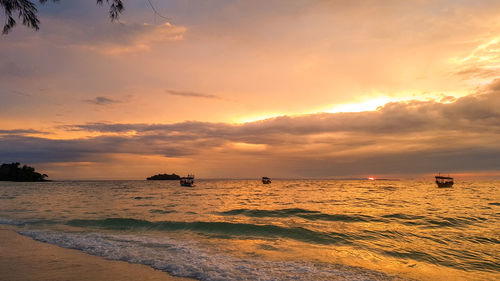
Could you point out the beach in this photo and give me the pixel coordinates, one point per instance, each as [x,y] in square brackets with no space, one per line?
[23,258]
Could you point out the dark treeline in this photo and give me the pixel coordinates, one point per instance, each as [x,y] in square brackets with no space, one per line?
[12,172]
[164,177]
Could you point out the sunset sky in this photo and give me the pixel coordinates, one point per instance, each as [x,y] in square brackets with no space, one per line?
[244,89]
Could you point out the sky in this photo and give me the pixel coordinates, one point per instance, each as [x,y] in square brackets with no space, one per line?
[245,89]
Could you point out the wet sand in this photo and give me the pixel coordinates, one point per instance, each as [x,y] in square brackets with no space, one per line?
[22,258]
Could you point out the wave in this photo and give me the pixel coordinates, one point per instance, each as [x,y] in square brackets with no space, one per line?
[189,259]
[453,222]
[268,213]
[406,219]
[143,197]
[224,228]
[8,221]
[460,259]
[16,222]
[302,213]
[403,216]
[159,211]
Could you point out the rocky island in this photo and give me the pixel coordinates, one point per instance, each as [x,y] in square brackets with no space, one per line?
[12,172]
[164,177]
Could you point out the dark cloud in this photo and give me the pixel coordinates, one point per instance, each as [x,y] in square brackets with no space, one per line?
[403,137]
[102,101]
[404,162]
[20,93]
[191,94]
[35,149]
[21,132]
[103,127]
[474,113]
[494,86]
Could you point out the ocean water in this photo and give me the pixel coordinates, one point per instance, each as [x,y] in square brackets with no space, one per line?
[288,230]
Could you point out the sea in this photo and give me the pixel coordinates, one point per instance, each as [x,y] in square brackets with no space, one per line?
[286,230]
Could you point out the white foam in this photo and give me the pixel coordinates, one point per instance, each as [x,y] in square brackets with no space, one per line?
[10,221]
[189,259]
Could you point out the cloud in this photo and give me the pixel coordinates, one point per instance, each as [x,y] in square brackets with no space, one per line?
[191,94]
[400,137]
[102,37]
[494,87]
[20,93]
[304,56]
[473,113]
[36,149]
[102,101]
[482,63]
[117,39]
[21,132]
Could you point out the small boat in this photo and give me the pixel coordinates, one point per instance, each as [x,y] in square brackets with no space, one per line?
[444,181]
[187,181]
[266,180]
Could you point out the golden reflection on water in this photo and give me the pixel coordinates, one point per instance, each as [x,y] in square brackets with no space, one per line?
[407,228]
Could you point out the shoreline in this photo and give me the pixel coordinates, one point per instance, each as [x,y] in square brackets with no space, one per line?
[23,258]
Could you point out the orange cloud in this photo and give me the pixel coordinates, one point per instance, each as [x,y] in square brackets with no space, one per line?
[136,38]
[403,137]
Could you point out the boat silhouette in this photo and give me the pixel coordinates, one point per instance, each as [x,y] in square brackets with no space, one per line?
[266,180]
[187,181]
[444,181]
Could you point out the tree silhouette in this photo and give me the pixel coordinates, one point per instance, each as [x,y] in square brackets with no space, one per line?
[164,177]
[12,172]
[26,11]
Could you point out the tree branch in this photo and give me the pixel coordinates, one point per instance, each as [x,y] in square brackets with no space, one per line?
[26,11]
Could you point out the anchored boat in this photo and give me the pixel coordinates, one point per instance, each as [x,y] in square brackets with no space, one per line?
[444,181]
[187,181]
[266,180]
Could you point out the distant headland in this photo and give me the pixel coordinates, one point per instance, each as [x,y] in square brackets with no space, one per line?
[12,172]
[163,177]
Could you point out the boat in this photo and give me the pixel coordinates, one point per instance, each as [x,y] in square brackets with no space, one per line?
[444,181]
[266,180]
[187,181]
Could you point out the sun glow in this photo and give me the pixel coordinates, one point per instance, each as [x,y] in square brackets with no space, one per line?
[368,105]
[248,146]
[375,103]
[256,118]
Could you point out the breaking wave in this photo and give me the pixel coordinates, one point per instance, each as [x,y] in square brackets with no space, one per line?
[188,259]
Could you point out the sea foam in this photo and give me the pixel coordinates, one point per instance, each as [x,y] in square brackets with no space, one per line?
[189,259]
[8,221]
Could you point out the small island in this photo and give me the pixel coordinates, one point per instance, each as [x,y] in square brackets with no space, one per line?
[12,172]
[164,177]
